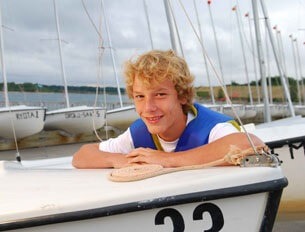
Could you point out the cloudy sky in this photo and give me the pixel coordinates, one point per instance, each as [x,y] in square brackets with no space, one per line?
[31,51]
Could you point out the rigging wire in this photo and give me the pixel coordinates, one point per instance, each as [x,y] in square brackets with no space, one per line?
[101,50]
[18,157]
[91,20]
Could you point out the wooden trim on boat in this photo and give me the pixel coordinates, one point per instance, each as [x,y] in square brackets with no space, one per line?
[274,187]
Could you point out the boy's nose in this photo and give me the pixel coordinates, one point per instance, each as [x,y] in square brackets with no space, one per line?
[150,104]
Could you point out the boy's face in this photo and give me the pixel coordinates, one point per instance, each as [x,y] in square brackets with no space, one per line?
[160,109]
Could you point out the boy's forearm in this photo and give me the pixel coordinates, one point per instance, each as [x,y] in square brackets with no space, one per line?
[214,151]
[89,156]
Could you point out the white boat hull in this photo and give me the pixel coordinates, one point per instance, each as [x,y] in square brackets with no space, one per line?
[75,120]
[250,112]
[209,215]
[24,120]
[287,138]
[299,110]
[121,118]
[65,199]
[276,111]
[239,110]
[217,108]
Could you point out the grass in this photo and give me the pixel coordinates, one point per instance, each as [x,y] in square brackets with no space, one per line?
[239,93]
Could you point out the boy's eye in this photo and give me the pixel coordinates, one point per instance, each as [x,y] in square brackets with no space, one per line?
[138,96]
[160,94]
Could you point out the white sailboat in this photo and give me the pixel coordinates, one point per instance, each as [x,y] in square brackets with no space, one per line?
[239,110]
[73,120]
[121,118]
[66,199]
[17,121]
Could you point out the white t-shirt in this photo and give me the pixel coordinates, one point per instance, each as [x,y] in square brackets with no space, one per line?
[124,144]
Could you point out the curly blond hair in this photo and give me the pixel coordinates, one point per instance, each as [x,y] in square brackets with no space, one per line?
[157,66]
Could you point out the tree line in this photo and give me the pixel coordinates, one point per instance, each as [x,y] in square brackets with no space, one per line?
[35,87]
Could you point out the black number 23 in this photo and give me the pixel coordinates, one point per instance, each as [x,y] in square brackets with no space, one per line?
[178,221]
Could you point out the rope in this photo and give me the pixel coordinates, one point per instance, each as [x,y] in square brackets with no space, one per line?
[140,172]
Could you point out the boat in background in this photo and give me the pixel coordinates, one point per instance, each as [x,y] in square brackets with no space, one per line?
[21,121]
[239,109]
[73,120]
[121,118]
[86,200]
[215,107]
[250,112]
[299,110]
[76,120]
[17,121]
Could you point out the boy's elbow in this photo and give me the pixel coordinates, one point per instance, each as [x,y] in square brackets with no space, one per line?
[86,157]
[76,161]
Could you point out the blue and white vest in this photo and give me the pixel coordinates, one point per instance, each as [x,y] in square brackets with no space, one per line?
[195,134]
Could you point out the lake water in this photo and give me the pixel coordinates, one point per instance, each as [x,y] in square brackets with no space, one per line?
[57,100]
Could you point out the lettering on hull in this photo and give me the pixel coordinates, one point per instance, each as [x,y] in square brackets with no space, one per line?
[82,114]
[27,115]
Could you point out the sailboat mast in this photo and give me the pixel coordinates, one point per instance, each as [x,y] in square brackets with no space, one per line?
[204,55]
[217,47]
[60,56]
[295,68]
[281,54]
[3,64]
[301,71]
[282,75]
[267,115]
[148,23]
[236,9]
[253,58]
[170,25]
[112,56]
[268,67]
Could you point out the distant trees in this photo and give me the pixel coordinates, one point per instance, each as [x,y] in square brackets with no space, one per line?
[35,87]
[221,95]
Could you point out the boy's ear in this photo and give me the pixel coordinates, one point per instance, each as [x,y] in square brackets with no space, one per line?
[183,101]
